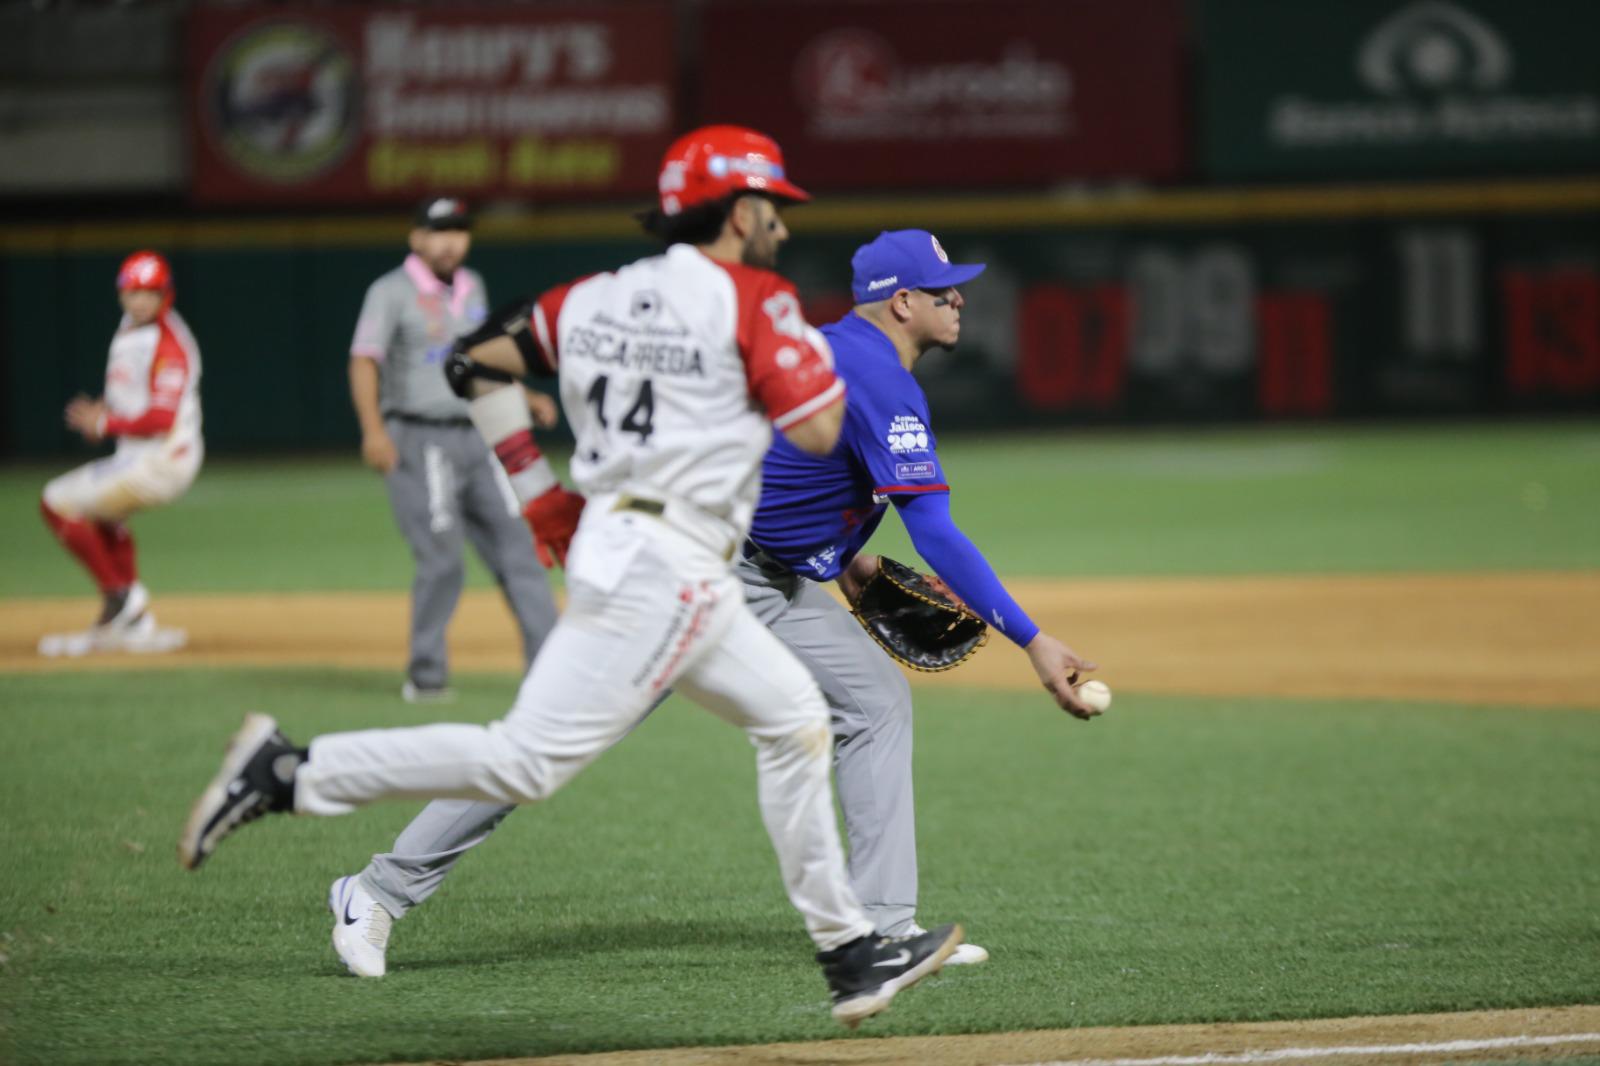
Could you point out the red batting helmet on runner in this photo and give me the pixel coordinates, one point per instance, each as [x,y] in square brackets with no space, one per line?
[715,161]
[144,270]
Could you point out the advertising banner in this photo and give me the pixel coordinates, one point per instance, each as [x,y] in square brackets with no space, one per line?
[1373,88]
[347,105]
[1011,93]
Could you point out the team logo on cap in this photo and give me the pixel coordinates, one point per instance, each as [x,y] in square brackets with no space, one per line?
[938,249]
[673,180]
[673,177]
[445,208]
[752,167]
[142,272]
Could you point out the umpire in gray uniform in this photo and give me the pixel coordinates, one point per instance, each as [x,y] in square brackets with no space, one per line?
[444,485]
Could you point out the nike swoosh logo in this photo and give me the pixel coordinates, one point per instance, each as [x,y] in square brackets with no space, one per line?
[348,920]
[899,960]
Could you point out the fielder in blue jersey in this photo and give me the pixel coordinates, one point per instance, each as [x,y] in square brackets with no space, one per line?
[817,513]
[814,518]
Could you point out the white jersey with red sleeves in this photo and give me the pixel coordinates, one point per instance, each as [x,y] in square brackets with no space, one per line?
[153,386]
[674,369]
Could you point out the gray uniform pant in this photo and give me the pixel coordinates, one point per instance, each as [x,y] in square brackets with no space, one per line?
[447,488]
[870,703]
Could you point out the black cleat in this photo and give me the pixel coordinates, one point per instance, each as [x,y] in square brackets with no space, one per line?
[253,781]
[865,974]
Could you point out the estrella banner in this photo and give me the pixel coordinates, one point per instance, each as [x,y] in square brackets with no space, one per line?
[909,94]
[347,105]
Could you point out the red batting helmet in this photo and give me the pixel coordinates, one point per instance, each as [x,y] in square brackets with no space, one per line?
[715,161]
[144,270]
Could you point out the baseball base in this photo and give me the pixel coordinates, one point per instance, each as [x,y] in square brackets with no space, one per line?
[153,641]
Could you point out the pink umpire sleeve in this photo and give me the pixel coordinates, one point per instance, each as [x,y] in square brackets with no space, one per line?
[375,327]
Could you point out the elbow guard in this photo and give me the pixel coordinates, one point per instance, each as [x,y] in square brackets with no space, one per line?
[512,320]
[460,368]
[507,320]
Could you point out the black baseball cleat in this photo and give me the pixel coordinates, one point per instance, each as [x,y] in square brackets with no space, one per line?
[257,777]
[865,974]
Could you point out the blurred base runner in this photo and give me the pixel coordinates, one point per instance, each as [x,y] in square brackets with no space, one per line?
[151,408]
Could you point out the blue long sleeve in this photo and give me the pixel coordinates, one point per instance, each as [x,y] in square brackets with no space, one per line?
[957,560]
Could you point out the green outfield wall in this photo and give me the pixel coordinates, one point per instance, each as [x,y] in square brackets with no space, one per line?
[1214,305]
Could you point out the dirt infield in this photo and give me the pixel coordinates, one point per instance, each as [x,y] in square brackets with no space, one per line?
[1522,639]
[1521,1035]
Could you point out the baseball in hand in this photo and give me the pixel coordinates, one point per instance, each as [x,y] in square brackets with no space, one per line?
[1097,694]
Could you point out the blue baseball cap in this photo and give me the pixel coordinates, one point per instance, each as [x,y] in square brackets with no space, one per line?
[905,259]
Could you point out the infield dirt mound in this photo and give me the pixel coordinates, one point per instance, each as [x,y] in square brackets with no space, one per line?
[1524,639]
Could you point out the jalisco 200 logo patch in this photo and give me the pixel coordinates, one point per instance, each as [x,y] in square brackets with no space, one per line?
[906,434]
[282,101]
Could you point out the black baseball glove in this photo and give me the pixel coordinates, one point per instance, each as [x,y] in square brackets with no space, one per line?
[915,622]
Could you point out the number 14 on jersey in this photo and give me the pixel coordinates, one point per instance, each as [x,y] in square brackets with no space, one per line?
[636,419]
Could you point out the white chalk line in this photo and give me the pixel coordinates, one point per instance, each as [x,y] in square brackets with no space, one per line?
[1290,1054]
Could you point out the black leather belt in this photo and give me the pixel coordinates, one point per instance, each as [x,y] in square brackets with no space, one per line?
[658,509]
[424,420]
[754,553]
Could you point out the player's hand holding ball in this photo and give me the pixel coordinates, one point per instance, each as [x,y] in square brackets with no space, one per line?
[1058,666]
[1095,694]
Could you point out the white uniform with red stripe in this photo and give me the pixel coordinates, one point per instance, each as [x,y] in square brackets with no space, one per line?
[153,411]
[673,371]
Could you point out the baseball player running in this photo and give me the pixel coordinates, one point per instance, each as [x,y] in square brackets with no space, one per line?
[444,486]
[673,370]
[814,517]
[151,408]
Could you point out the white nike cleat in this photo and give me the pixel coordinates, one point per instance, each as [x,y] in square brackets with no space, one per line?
[360,927]
[964,955]
[125,625]
[135,602]
[143,637]
[133,628]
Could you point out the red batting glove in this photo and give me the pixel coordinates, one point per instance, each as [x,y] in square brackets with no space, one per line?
[553,518]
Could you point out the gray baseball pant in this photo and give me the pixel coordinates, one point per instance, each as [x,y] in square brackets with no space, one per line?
[446,489]
[870,703]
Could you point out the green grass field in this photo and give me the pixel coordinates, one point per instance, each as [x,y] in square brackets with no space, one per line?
[1193,502]
[1184,859]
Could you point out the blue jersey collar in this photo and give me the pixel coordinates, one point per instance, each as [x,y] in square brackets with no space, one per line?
[865,331]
